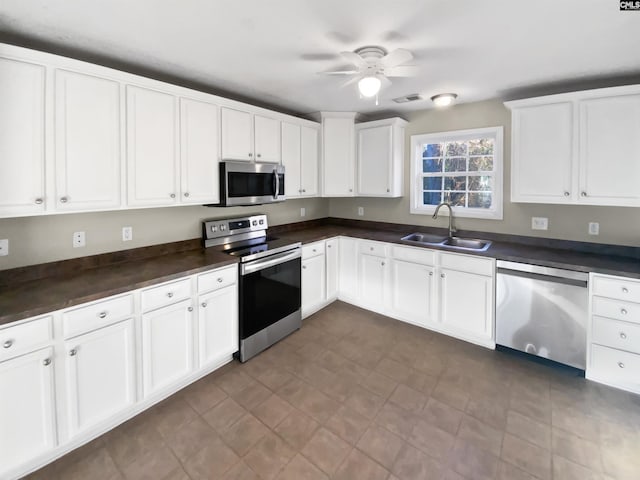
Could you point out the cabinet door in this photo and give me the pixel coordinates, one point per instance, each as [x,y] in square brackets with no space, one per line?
[167,346]
[100,375]
[291,159]
[151,147]
[267,139]
[348,269]
[372,275]
[610,150]
[543,154]
[199,152]
[309,161]
[466,305]
[338,157]
[21,138]
[412,296]
[87,133]
[313,284]
[332,264]
[237,135]
[218,325]
[26,408]
[374,161]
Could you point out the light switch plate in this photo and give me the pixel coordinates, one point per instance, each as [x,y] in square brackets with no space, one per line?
[127,234]
[539,223]
[78,239]
[594,228]
[303,211]
[360,211]
[4,247]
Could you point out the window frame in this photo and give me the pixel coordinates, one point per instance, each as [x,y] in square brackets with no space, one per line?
[417,142]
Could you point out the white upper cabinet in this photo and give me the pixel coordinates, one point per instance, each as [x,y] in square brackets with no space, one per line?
[199,152]
[543,153]
[610,150]
[237,135]
[300,160]
[87,142]
[22,141]
[338,155]
[380,158]
[267,139]
[151,147]
[309,161]
[577,148]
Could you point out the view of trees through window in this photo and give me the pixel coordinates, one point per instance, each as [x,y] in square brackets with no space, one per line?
[458,172]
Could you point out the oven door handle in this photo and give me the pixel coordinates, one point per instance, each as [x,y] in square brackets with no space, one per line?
[258,265]
[276,184]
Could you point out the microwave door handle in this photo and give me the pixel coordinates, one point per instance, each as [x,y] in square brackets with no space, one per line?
[276,184]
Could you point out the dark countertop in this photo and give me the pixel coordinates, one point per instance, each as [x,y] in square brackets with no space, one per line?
[39,296]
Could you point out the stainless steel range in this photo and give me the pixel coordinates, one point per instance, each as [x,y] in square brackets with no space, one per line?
[270,270]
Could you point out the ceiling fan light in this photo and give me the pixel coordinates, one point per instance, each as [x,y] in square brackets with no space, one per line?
[369,86]
[443,99]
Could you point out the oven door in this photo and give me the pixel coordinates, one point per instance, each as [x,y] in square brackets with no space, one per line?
[251,183]
[269,291]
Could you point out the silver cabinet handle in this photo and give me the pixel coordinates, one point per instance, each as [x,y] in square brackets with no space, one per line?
[39,201]
[7,344]
[72,352]
[102,314]
[46,362]
[186,194]
[382,263]
[314,250]
[371,248]
[623,311]
[442,275]
[623,335]
[625,290]
[190,309]
[258,155]
[219,279]
[621,365]
[204,304]
[328,246]
[351,189]
[172,195]
[304,191]
[431,274]
[250,154]
[388,190]
[566,194]
[304,267]
[64,199]
[169,294]
[583,194]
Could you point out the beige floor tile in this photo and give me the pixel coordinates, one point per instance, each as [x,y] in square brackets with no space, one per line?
[125,444]
[212,461]
[431,440]
[203,395]
[326,450]
[357,465]
[272,411]
[480,433]
[97,465]
[381,445]
[365,402]
[578,450]
[297,428]
[224,415]
[188,440]
[567,470]
[173,414]
[451,395]
[527,456]
[379,384]
[233,382]
[528,429]
[412,464]
[269,456]
[241,471]
[299,468]
[252,395]
[348,424]
[492,410]
[471,461]
[396,420]
[244,434]
[442,415]
[408,398]
[152,465]
[506,471]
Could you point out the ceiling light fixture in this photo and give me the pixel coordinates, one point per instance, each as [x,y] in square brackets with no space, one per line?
[444,99]
[369,86]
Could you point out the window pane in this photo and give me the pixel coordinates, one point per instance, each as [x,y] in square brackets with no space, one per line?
[432,183]
[482,183]
[455,164]
[480,200]
[456,149]
[430,165]
[481,146]
[432,150]
[456,199]
[431,198]
[481,163]
[455,183]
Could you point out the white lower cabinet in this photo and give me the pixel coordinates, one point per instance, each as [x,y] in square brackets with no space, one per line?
[217,325]
[313,284]
[372,272]
[348,269]
[333,265]
[413,292]
[100,372]
[167,346]
[27,409]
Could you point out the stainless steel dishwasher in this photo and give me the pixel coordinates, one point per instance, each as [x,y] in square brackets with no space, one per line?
[542,311]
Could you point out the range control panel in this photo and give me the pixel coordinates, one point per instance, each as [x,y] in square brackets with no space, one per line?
[217,228]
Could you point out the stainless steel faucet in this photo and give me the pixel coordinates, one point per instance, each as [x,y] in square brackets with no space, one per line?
[435,215]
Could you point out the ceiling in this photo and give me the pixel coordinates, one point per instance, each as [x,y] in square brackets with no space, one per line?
[269,52]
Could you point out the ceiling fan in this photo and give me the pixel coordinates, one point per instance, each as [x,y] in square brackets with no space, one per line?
[372,66]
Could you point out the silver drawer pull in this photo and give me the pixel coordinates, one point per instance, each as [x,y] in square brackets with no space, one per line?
[169,294]
[102,314]
[186,194]
[304,267]
[621,365]
[566,194]
[625,290]
[7,344]
[64,199]
[72,352]
[219,279]
[190,309]
[382,263]
[431,274]
[371,248]
[39,201]
[623,311]
[623,335]
[46,362]
[442,275]
[314,250]
[328,246]
[204,304]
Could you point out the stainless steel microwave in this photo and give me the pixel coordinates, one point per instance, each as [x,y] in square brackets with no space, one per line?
[244,183]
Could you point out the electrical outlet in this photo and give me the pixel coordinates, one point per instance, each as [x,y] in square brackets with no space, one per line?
[594,228]
[303,211]
[127,234]
[78,239]
[539,223]
[4,247]
[360,211]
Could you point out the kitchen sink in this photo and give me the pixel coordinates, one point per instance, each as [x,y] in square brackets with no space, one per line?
[454,243]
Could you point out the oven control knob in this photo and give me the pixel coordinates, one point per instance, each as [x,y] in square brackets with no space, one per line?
[214,228]
[261,222]
[254,223]
[223,228]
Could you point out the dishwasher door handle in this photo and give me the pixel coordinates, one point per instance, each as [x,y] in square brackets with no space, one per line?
[544,278]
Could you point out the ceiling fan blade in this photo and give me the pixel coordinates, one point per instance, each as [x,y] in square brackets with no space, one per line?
[402,71]
[397,57]
[354,58]
[351,81]
[339,72]
[384,82]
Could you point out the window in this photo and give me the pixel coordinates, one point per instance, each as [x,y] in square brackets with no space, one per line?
[463,168]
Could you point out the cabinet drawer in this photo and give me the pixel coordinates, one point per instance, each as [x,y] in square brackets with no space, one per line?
[312,250]
[616,334]
[217,279]
[95,315]
[615,366]
[607,307]
[25,337]
[618,288]
[166,294]
[467,263]
[414,255]
[372,248]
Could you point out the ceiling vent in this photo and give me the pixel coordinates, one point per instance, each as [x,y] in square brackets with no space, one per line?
[408,98]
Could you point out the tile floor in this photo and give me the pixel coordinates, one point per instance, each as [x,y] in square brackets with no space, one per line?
[355,395]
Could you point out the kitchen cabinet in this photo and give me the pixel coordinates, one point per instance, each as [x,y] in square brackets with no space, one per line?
[313,279]
[266,139]
[100,373]
[559,141]
[338,155]
[27,408]
[217,325]
[380,158]
[22,138]
[300,159]
[373,275]
[413,292]
[348,269]
[199,152]
[151,147]
[87,142]
[250,137]
[332,267]
[309,152]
